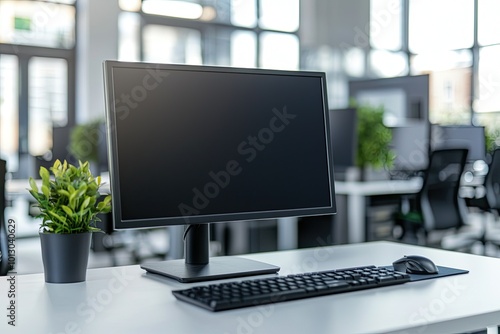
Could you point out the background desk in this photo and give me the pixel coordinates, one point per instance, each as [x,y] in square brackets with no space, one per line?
[127,300]
[356,197]
[351,218]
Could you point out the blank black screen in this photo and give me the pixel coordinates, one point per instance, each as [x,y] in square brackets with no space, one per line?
[213,145]
[344,134]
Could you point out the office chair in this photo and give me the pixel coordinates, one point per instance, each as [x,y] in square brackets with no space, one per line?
[490,202]
[4,267]
[437,206]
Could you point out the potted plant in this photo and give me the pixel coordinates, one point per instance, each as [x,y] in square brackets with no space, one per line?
[374,139]
[69,204]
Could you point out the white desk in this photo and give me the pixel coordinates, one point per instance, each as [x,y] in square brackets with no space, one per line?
[356,193]
[127,300]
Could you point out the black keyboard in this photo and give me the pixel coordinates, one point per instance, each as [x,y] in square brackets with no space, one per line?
[231,295]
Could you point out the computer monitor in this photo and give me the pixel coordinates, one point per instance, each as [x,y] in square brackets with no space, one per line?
[193,145]
[344,134]
[461,136]
[406,111]
[411,148]
[405,99]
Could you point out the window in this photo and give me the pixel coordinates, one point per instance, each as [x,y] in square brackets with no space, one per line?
[450,75]
[244,13]
[246,33]
[9,106]
[129,25]
[47,101]
[280,15]
[280,51]
[442,39]
[488,97]
[37,23]
[37,78]
[243,49]
[440,25]
[171,45]
[388,64]
[488,22]
[386,19]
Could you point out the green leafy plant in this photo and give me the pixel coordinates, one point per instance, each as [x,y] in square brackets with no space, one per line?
[492,138]
[85,139]
[68,201]
[374,138]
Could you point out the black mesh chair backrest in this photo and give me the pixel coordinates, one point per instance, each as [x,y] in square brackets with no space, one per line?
[3,233]
[492,182]
[439,203]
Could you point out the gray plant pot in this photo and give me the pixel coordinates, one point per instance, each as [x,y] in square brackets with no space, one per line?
[65,256]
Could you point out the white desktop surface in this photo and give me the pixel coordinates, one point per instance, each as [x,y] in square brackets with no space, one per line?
[127,300]
[380,187]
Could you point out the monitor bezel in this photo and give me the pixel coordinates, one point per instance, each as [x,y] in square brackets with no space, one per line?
[112,118]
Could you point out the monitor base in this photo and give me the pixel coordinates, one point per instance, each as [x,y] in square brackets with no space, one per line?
[218,268]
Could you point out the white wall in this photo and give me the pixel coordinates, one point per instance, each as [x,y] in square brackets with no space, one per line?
[97,40]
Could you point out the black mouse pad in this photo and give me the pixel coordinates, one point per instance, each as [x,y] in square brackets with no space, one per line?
[442,272]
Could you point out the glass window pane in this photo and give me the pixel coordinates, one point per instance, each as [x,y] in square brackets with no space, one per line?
[128,39]
[243,49]
[37,23]
[279,14]
[173,8]
[68,2]
[354,61]
[9,116]
[488,22]
[279,51]
[450,80]
[172,45]
[488,95]
[386,29]
[440,25]
[388,64]
[449,99]
[130,5]
[439,61]
[47,101]
[244,13]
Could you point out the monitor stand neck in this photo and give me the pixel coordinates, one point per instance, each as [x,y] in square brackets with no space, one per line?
[198,267]
[197,244]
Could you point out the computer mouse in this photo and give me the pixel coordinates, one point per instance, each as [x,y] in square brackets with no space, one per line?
[415,264]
